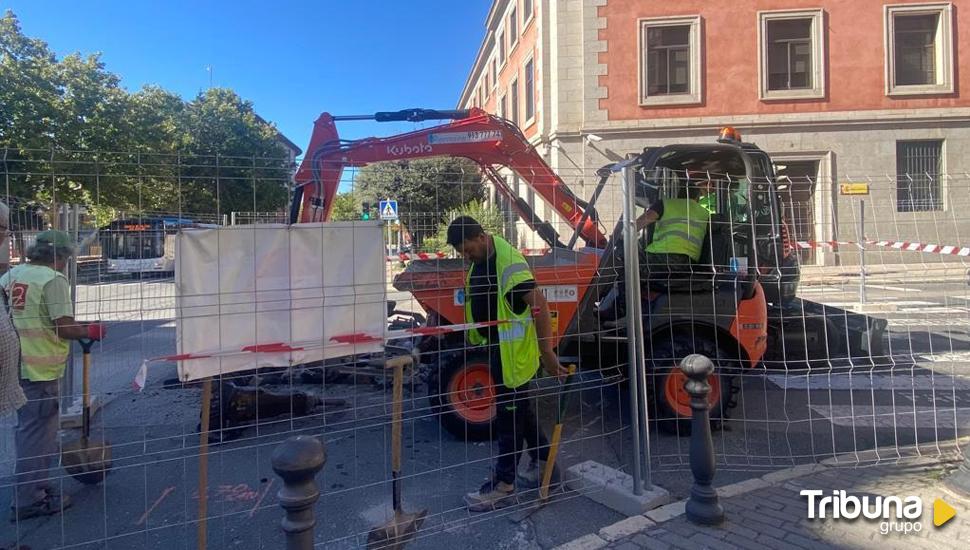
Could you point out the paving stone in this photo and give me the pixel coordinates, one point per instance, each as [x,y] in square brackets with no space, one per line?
[805,542]
[589,542]
[677,540]
[746,543]
[763,528]
[737,528]
[625,528]
[650,542]
[771,542]
[707,541]
[775,516]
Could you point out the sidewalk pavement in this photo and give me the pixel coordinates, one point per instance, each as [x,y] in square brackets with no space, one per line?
[769,512]
[900,273]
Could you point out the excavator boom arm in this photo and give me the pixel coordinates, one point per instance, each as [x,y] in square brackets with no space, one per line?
[474,134]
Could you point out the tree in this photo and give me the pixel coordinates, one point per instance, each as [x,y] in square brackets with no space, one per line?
[70,133]
[346,207]
[490,218]
[425,189]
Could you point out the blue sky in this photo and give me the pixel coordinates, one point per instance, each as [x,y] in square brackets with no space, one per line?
[292,59]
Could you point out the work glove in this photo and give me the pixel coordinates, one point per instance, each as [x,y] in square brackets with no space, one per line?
[97,331]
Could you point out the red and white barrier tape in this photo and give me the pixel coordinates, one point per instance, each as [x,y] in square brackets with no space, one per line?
[950,250]
[820,244]
[407,256]
[336,342]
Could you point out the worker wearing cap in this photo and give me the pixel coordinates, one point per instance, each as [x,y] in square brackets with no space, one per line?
[500,289]
[681,226]
[40,300]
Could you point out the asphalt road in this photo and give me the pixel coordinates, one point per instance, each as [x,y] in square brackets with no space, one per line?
[921,394]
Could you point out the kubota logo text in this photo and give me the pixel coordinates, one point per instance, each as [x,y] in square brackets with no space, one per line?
[406,149]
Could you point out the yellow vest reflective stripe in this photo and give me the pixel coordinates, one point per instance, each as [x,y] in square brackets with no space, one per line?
[709,202]
[518,342]
[681,229]
[43,353]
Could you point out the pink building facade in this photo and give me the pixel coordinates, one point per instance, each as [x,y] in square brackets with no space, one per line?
[835,91]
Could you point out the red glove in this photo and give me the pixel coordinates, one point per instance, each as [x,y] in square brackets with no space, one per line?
[97,331]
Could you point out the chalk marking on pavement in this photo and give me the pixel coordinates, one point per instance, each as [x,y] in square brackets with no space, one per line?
[165,493]
[260,501]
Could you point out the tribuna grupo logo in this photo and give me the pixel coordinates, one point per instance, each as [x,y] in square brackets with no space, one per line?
[896,514]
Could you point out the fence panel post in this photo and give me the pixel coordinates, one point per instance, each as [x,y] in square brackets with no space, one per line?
[297,461]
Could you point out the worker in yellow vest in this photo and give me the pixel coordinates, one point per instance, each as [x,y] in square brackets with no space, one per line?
[40,301]
[500,289]
[681,226]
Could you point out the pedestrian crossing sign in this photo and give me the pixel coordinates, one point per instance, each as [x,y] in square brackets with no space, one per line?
[388,209]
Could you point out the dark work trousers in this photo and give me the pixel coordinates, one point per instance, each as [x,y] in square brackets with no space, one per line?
[516,423]
[660,269]
[36,439]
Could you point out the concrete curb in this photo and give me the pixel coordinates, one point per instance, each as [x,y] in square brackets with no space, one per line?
[635,524]
[624,528]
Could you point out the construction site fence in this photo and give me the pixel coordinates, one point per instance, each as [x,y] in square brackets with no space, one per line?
[893,390]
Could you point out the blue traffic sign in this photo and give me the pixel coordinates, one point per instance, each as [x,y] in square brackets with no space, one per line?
[388,209]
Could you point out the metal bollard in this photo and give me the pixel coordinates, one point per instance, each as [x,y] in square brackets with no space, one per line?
[702,506]
[297,460]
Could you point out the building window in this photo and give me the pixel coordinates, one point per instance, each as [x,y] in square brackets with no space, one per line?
[494,71]
[919,49]
[500,40]
[670,61]
[792,54]
[513,28]
[501,107]
[919,166]
[514,101]
[526,12]
[530,91]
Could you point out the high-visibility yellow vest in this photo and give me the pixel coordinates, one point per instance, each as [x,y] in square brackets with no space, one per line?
[681,229]
[518,343]
[43,354]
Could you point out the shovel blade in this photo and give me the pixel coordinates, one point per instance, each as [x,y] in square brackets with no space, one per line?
[87,460]
[396,533]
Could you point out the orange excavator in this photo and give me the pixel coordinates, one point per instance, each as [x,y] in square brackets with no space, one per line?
[743,284]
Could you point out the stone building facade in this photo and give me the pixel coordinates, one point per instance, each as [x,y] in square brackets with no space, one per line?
[861,91]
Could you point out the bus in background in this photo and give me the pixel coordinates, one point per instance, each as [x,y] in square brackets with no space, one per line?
[143,245]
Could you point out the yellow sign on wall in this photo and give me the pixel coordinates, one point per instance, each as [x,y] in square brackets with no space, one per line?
[853,188]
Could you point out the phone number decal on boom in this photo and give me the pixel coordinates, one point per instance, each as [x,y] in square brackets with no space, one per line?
[476,136]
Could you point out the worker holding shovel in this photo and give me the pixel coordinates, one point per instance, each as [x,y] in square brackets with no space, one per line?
[500,289]
[40,301]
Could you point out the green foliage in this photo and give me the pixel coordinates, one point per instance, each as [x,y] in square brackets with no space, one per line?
[490,218]
[64,122]
[425,189]
[346,207]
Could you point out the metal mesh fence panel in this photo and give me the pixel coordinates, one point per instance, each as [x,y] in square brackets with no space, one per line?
[838,324]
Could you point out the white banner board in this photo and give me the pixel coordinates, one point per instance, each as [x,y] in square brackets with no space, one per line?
[243,291]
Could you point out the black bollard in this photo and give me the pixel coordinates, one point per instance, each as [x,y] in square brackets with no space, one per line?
[702,506]
[297,460]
